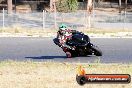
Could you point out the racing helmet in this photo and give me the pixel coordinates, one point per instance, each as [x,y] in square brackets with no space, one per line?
[63,27]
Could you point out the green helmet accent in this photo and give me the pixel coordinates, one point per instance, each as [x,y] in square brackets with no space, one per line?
[62,26]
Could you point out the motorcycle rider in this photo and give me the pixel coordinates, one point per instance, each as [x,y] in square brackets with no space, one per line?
[63,35]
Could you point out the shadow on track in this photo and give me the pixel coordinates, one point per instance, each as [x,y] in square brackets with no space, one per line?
[48,57]
[83,59]
[54,57]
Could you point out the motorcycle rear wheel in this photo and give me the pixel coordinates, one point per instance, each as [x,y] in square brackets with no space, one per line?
[96,50]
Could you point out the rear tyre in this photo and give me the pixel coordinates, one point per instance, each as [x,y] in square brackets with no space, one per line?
[96,51]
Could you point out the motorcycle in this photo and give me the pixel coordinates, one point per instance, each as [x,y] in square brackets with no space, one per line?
[81,46]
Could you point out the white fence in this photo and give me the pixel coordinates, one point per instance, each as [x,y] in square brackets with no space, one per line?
[76,20]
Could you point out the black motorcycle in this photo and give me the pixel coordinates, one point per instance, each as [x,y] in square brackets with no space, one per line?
[81,46]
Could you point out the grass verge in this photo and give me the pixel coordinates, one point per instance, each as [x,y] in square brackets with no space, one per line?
[30,74]
[18,31]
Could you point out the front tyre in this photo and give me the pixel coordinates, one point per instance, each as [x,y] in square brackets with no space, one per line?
[68,55]
[96,50]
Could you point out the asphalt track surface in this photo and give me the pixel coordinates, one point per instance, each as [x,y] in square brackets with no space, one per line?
[115,50]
